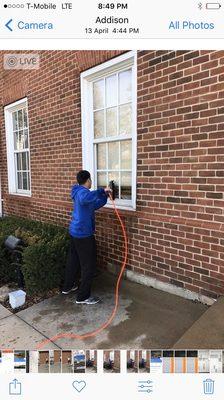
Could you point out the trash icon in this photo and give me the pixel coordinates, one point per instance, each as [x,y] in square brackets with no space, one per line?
[208,385]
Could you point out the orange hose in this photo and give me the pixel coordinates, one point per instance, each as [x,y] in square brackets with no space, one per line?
[110,319]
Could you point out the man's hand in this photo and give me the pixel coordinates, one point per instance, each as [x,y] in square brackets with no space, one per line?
[108,190]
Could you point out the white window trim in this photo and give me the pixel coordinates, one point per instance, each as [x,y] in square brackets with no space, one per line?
[87,77]
[10,147]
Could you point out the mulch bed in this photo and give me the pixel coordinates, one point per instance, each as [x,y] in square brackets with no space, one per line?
[30,300]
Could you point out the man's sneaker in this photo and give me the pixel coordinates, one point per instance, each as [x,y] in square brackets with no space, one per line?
[90,300]
[73,289]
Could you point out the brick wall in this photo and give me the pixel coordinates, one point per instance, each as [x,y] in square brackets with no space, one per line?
[44,357]
[146,359]
[106,356]
[89,358]
[135,359]
[57,356]
[177,233]
[66,357]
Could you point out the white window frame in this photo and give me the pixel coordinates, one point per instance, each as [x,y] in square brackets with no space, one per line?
[12,178]
[87,78]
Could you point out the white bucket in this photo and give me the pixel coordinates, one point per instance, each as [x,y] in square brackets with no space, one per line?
[17,298]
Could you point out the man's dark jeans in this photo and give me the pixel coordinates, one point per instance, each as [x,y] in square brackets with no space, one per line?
[81,262]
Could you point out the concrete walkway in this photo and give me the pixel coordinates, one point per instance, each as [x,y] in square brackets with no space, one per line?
[207,332]
[147,318]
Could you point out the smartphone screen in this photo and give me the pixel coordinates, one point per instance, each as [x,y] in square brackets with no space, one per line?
[111,199]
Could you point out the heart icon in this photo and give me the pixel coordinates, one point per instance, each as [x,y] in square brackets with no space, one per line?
[79,385]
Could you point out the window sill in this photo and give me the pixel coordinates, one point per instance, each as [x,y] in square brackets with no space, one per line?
[120,207]
[122,210]
[26,195]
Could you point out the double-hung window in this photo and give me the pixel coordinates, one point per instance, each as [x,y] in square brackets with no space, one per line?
[109,125]
[18,153]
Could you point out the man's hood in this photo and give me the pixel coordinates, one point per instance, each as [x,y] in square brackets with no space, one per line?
[76,189]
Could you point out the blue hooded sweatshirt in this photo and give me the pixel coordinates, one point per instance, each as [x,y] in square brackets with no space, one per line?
[85,203]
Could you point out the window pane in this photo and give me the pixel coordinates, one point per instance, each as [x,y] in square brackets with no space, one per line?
[125,86]
[25,118]
[25,181]
[28,161]
[19,161]
[125,119]
[111,90]
[98,94]
[111,118]
[20,119]
[28,181]
[113,155]
[24,163]
[101,179]
[20,140]
[19,181]
[101,156]
[126,154]
[98,124]
[15,121]
[25,143]
[126,185]
[16,140]
[114,176]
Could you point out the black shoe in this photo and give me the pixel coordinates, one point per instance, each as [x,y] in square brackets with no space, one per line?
[73,289]
[90,300]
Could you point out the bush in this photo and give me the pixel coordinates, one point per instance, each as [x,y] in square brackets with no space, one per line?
[43,264]
[27,237]
[44,255]
[7,271]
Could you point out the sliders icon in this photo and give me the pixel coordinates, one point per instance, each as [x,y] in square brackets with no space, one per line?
[145,386]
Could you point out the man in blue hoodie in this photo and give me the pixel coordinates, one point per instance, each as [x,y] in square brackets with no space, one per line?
[82,253]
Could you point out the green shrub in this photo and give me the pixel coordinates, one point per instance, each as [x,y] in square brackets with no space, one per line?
[7,271]
[43,264]
[8,226]
[44,255]
[29,238]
